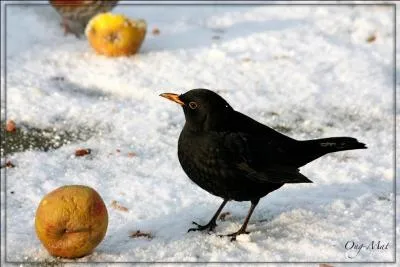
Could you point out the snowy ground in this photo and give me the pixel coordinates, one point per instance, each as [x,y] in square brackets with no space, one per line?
[304,70]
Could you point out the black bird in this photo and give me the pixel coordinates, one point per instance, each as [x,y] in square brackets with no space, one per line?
[232,156]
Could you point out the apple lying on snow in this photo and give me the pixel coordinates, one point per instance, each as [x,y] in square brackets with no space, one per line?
[115,35]
[71,221]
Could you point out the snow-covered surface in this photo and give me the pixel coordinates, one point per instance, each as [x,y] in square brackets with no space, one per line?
[306,69]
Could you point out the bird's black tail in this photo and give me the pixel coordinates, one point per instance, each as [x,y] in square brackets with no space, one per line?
[314,149]
[334,144]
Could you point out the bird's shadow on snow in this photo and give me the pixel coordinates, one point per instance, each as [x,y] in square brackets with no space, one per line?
[204,36]
[172,227]
[63,85]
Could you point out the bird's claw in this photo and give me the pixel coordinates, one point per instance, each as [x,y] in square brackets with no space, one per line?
[234,235]
[210,227]
[195,223]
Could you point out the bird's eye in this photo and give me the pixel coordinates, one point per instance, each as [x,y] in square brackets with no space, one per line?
[193,105]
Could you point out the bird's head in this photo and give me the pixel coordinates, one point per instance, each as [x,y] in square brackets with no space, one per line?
[204,109]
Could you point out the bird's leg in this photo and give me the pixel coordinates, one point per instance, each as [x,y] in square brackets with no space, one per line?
[212,223]
[71,27]
[65,26]
[242,229]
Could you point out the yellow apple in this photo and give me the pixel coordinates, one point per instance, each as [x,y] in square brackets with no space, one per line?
[115,35]
[71,221]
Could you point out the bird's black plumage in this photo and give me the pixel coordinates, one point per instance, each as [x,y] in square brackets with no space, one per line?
[232,156]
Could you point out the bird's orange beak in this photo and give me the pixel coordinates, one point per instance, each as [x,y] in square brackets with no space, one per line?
[173,97]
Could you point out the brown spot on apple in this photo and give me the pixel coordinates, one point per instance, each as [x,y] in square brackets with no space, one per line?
[98,208]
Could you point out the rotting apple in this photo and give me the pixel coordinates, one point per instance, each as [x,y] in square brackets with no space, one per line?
[115,35]
[71,221]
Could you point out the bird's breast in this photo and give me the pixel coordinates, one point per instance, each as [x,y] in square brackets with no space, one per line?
[199,163]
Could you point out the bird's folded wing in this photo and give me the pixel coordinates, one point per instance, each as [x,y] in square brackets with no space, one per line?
[273,174]
[247,154]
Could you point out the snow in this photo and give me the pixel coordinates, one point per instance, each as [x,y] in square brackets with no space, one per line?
[305,70]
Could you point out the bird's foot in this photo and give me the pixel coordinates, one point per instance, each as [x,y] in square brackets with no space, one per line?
[233,235]
[209,226]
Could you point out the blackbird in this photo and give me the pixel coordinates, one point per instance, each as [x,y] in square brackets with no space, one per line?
[232,156]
